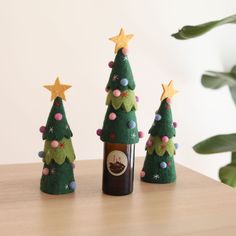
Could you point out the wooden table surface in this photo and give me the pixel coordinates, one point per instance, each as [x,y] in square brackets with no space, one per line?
[195,205]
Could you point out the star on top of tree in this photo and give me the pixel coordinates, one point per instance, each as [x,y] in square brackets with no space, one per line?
[121,40]
[168,90]
[57,89]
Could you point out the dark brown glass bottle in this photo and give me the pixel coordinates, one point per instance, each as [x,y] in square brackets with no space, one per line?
[118,168]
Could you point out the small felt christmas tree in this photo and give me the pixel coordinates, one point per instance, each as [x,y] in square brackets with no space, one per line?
[58,155]
[120,125]
[159,166]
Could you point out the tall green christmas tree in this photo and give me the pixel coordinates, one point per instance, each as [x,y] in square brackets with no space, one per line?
[159,165]
[58,155]
[120,124]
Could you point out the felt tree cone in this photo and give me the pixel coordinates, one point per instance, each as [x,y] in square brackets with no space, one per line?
[120,130]
[159,165]
[58,155]
[120,125]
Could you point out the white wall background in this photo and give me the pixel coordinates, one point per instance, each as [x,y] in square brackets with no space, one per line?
[42,39]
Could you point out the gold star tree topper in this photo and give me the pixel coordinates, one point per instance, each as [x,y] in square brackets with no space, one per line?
[168,90]
[57,89]
[121,40]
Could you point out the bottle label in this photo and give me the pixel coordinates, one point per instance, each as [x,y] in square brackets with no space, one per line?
[117,162]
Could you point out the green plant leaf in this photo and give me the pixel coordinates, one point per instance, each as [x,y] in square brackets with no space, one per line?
[233,93]
[215,80]
[227,175]
[217,144]
[188,32]
[233,157]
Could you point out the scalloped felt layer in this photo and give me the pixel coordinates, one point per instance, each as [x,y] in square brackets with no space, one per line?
[160,147]
[154,173]
[121,70]
[59,178]
[117,131]
[59,154]
[163,127]
[126,100]
[57,129]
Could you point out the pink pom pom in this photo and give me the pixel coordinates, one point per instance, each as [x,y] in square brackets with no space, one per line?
[141,134]
[137,98]
[110,64]
[175,124]
[45,171]
[112,116]
[168,100]
[165,139]
[116,92]
[149,143]
[42,129]
[142,174]
[99,132]
[125,51]
[54,144]
[58,116]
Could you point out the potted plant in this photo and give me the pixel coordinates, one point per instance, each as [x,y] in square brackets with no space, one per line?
[215,80]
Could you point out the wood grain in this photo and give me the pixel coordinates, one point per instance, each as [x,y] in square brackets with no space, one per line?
[195,205]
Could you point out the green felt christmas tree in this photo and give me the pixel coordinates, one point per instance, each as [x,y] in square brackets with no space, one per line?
[120,124]
[159,165]
[58,155]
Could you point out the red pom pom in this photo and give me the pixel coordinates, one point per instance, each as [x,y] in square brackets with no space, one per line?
[42,129]
[58,116]
[149,143]
[54,144]
[45,171]
[142,174]
[116,92]
[110,64]
[125,51]
[141,134]
[57,104]
[165,139]
[99,132]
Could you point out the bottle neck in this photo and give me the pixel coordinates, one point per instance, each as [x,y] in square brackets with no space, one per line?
[118,145]
[126,148]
